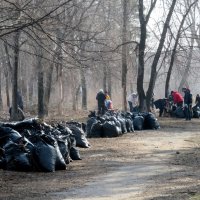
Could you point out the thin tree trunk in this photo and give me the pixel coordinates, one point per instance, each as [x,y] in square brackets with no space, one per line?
[84,89]
[7,68]
[61,90]
[14,111]
[104,77]
[174,51]
[157,56]
[1,101]
[124,55]
[187,68]
[48,88]
[109,82]
[40,85]
[141,49]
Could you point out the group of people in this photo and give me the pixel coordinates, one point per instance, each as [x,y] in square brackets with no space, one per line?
[179,100]
[103,101]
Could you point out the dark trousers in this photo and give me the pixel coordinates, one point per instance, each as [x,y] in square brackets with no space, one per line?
[188,111]
[101,108]
[130,106]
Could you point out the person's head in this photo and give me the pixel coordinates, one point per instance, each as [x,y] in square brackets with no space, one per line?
[197,95]
[101,90]
[172,92]
[106,92]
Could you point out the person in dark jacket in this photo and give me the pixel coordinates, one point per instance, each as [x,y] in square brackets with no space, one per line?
[161,105]
[101,97]
[197,100]
[187,104]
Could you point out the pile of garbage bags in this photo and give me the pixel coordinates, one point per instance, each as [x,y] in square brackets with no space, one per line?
[33,146]
[114,124]
[179,112]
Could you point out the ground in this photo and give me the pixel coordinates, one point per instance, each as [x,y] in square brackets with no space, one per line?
[159,164]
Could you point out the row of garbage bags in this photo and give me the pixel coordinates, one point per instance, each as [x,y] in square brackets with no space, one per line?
[114,124]
[33,146]
[179,112]
[30,145]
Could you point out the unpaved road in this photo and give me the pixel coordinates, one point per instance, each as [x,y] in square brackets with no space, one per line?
[147,165]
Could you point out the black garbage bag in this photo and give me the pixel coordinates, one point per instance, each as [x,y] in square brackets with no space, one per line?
[2,159]
[74,152]
[46,156]
[17,157]
[123,124]
[64,149]
[89,124]
[151,122]
[60,161]
[129,125]
[196,111]
[138,123]
[110,129]
[96,130]
[2,163]
[64,130]
[25,124]
[7,133]
[179,112]
[80,137]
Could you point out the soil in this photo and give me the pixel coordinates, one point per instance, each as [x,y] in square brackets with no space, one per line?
[159,164]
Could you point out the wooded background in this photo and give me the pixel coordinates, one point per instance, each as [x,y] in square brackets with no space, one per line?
[58,54]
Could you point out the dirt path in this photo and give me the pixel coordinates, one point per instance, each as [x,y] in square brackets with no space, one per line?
[145,165]
[152,174]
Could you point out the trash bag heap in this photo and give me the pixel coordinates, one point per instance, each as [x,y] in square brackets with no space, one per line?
[114,124]
[30,145]
[33,146]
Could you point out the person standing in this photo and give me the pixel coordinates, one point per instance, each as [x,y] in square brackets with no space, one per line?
[108,102]
[101,97]
[133,102]
[187,104]
[197,100]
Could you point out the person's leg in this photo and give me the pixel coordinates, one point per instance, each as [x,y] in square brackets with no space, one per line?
[160,112]
[186,108]
[130,106]
[99,109]
[103,109]
[190,112]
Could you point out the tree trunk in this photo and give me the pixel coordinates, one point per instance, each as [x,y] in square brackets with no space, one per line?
[187,68]
[7,68]
[174,51]
[141,49]
[84,89]
[40,85]
[104,77]
[124,55]
[14,111]
[1,101]
[109,82]
[48,86]
[61,90]
[157,56]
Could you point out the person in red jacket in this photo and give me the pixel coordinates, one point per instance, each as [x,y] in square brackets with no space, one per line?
[177,98]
